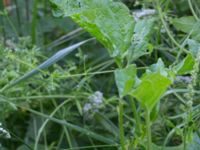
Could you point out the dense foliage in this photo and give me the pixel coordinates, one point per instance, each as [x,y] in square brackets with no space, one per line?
[127,78]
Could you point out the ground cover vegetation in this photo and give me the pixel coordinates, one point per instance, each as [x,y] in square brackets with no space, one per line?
[99,75]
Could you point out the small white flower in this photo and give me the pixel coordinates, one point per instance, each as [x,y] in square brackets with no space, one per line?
[87,107]
[93,105]
[185,79]
[97,98]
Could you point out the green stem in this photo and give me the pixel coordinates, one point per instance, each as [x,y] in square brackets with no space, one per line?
[121,129]
[192,10]
[18,16]
[136,116]
[34,22]
[148,129]
[68,137]
[167,29]
[2,25]
[42,128]
[72,126]
[184,139]
[27,10]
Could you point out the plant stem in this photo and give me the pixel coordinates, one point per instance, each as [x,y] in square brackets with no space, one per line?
[136,116]
[192,10]
[73,127]
[148,128]
[167,29]
[34,22]
[27,10]
[45,15]
[121,129]
[2,25]
[184,139]
[18,16]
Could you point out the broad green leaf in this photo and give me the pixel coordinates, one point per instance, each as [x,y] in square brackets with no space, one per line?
[140,44]
[150,90]
[189,25]
[184,24]
[125,79]
[194,47]
[186,65]
[110,22]
[158,67]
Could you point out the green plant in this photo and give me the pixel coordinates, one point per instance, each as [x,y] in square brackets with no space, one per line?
[154,83]
[147,102]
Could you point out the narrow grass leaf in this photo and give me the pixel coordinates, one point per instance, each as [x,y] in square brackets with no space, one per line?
[52,60]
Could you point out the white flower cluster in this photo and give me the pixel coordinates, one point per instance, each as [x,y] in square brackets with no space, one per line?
[4,133]
[142,13]
[94,103]
[185,79]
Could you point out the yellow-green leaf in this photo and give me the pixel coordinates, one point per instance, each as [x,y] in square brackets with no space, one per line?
[150,90]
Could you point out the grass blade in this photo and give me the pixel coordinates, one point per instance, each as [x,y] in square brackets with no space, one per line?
[52,60]
[75,127]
